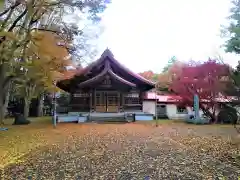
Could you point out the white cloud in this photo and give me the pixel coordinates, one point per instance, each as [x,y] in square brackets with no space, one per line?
[144,35]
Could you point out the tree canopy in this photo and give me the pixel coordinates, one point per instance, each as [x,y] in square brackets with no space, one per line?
[207,79]
[232,31]
[171,61]
[37,42]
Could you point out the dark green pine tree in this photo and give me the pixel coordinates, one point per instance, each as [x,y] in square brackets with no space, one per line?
[171,61]
[232,45]
[232,31]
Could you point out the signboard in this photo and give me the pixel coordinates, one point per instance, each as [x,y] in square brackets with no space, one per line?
[81,95]
[106,82]
[132,95]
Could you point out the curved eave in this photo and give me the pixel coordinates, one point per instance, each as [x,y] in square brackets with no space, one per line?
[64,85]
[111,73]
[100,77]
[95,79]
[137,76]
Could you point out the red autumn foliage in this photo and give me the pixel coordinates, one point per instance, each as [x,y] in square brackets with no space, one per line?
[207,79]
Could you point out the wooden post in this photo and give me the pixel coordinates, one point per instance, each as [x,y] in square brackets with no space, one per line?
[156,112]
[90,104]
[54,106]
[95,100]
[118,99]
[123,103]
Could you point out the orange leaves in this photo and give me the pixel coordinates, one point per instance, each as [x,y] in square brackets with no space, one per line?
[165,79]
[147,74]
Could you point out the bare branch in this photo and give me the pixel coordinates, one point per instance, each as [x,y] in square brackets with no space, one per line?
[17,20]
[10,8]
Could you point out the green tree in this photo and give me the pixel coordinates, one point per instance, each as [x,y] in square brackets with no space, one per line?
[169,64]
[232,44]
[232,31]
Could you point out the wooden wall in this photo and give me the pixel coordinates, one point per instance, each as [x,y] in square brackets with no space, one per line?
[85,101]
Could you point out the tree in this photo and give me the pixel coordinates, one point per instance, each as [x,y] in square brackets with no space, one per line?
[147,74]
[20,20]
[232,45]
[166,78]
[172,61]
[232,31]
[44,61]
[208,80]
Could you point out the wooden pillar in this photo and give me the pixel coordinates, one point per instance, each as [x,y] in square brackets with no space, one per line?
[94,94]
[141,94]
[119,101]
[90,100]
[123,103]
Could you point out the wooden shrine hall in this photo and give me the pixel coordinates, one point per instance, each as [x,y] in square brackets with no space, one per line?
[106,86]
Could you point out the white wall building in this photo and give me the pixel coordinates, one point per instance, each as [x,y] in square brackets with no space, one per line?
[167,106]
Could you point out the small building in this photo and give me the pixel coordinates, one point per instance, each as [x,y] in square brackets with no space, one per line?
[106,86]
[169,106]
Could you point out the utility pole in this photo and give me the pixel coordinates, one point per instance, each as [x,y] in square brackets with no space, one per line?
[156,111]
[54,105]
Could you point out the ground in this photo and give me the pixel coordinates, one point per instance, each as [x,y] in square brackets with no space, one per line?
[119,151]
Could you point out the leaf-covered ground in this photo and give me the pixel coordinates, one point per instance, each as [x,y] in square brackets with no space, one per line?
[128,151]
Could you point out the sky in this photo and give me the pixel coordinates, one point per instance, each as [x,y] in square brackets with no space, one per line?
[144,35]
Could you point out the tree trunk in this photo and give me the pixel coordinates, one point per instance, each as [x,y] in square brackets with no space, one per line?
[1,109]
[207,112]
[4,98]
[5,106]
[40,105]
[26,108]
[2,76]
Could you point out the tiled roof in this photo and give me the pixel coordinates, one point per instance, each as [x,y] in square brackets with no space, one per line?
[162,98]
[175,98]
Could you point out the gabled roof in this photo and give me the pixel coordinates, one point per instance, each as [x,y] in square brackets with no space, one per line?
[108,54]
[88,75]
[106,71]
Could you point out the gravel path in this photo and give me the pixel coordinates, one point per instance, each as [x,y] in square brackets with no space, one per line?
[121,152]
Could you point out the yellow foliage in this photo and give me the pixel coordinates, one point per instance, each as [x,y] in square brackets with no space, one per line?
[51,45]
[46,58]
[9,35]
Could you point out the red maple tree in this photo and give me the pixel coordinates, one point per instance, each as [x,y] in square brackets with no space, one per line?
[206,79]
